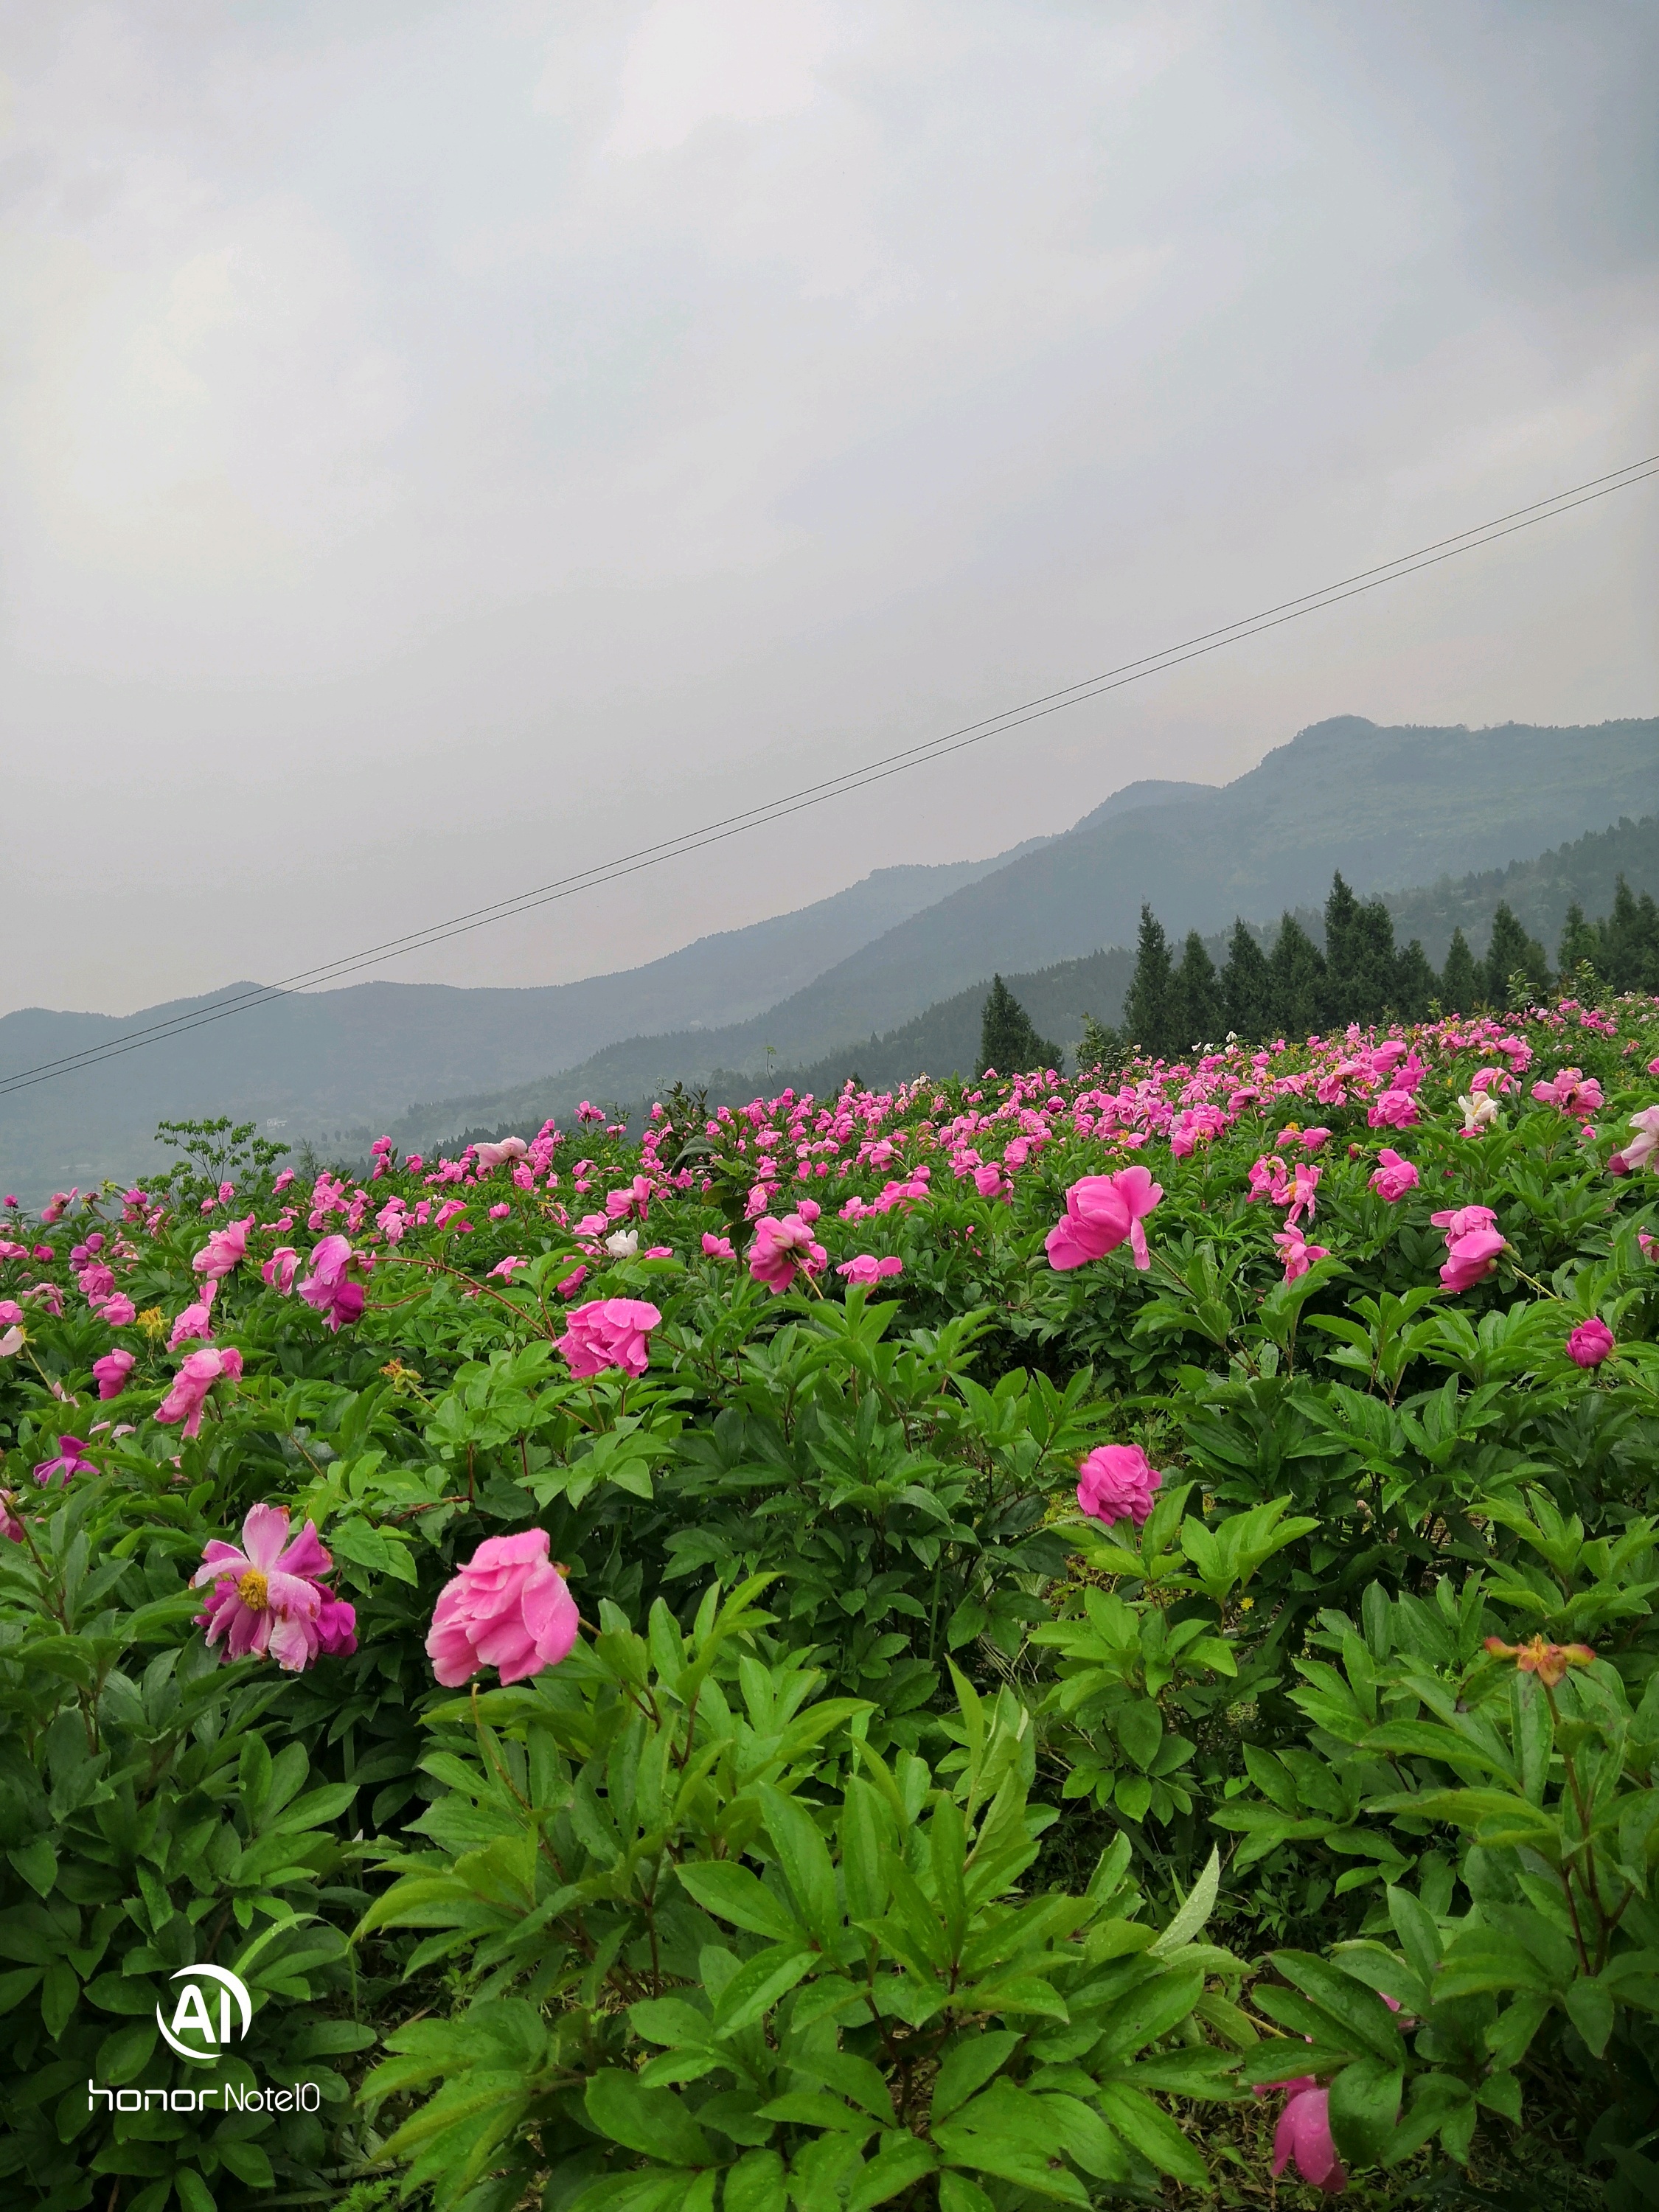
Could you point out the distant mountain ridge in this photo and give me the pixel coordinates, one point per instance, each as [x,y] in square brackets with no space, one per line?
[1390,807]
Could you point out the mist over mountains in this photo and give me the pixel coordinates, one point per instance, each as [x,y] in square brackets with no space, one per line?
[1438,809]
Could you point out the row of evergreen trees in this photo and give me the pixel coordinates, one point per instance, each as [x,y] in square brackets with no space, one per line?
[1360,976]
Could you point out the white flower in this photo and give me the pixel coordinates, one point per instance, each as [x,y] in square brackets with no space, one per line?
[1478,1113]
[623,1244]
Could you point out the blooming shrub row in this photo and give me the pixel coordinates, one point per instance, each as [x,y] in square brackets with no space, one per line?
[919,1568]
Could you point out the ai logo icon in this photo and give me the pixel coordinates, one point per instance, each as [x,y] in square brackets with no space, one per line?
[192,2017]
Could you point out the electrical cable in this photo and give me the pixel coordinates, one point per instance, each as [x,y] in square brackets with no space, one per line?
[895,764]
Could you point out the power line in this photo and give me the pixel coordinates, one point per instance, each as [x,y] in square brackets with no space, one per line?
[895,764]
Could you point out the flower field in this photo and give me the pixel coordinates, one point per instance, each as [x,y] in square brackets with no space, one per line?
[1021,1643]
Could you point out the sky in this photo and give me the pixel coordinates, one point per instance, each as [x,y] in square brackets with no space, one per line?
[443,443]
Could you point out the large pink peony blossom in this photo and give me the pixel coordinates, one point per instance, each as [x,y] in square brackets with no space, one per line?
[281,1268]
[1473,1244]
[117,1310]
[486,1158]
[334,1286]
[610,1332]
[111,1373]
[508,1607]
[196,1321]
[1101,1213]
[1297,1254]
[1571,1092]
[269,1597]
[226,1249]
[1394,1176]
[1303,2134]
[197,1375]
[1117,1484]
[783,1248]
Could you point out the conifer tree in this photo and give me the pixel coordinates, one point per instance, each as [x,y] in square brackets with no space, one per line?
[1148,1008]
[1460,979]
[1195,994]
[1299,986]
[1512,954]
[1415,983]
[1099,1047]
[1007,1041]
[1247,988]
[1630,941]
[1359,956]
[1581,944]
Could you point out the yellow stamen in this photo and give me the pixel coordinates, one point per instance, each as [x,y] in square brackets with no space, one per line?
[254,1591]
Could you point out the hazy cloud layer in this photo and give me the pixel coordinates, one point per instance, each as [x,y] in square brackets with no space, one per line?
[442,443]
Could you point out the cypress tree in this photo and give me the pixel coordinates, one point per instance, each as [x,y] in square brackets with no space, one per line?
[1581,943]
[1195,994]
[1148,1008]
[1247,988]
[1359,956]
[1299,984]
[1007,1041]
[1415,983]
[1460,979]
[1630,939]
[1512,953]
[1098,1048]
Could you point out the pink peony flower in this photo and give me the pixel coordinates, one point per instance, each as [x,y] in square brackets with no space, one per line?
[570,1283]
[1571,1092]
[70,1459]
[10,1526]
[781,1249]
[334,1286]
[195,1322]
[992,1181]
[506,1268]
[1589,1343]
[610,1332]
[1638,1154]
[1301,1193]
[1394,1110]
[12,1342]
[632,1201]
[281,1268]
[117,1310]
[96,1281]
[1470,1257]
[1303,2134]
[508,1607]
[1101,1213]
[1393,1177]
[111,1373]
[1296,1253]
[197,1375]
[1117,1484]
[864,1268]
[269,1597]
[1462,1221]
[717,1247]
[226,1249]
[486,1158]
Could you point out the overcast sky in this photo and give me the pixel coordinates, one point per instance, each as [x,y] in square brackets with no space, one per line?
[443,442]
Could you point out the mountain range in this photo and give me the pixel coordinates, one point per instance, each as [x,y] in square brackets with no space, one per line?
[1392,807]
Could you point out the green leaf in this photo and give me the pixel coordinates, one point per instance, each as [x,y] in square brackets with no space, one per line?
[654,2122]
[1365,2103]
[756,2184]
[731,1893]
[194,2194]
[758,1984]
[1360,2010]
[1140,1730]
[966,2067]
[805,1858]
[1148,2128]
[1589,2007]
[245,2161]
[1190,1922]
[37,1864]
[900,2160]
[956,2194]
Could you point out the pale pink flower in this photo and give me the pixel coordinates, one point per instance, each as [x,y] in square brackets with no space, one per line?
[226,1249]
[281,1268]
[508,1607]
[610,1332]
[782,1248]
[1641,1151]
[197,1375]
[1117,1484]
[12,1343]
[487,1157]
[269,1596]
[1590,1343]
[1393,1177]
[111,1373]
[865,1267]
[1101,1213]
